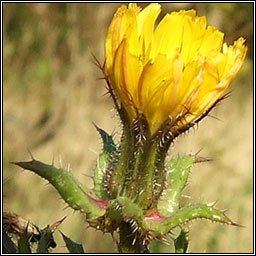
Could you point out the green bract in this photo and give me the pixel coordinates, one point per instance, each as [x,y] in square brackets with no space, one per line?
[112,204]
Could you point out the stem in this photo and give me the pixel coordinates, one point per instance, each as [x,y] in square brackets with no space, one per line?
[133,188]
[146,175]
[129,243]
[160,173]
[123,162]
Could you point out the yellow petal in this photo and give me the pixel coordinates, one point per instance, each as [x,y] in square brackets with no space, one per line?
[181,67]
[127,70]
[146,21]
[212,41]
[168,36]
[152,78]
[122,26]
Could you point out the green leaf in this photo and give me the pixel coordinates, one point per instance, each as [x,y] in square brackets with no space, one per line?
[163,225]
[103,162]
[71,190]
[176,178]
[45,241]
[43,244]
[130,210]
[72,246]
[23,243]
[108,143]
[181,242]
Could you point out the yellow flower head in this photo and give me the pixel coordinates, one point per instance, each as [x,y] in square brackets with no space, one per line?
[179,68]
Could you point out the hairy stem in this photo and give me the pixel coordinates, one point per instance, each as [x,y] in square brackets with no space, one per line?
[129,243]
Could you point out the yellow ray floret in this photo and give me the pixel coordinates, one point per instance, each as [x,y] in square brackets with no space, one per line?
[163,72]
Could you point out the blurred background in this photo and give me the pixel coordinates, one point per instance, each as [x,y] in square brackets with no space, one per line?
[51,96]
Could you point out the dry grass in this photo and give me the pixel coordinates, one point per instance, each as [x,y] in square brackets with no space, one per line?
[51,97]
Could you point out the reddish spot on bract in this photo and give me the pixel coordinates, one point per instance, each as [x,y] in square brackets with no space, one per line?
[155,216]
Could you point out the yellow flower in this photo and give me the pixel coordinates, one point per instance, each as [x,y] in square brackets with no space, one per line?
[181,67]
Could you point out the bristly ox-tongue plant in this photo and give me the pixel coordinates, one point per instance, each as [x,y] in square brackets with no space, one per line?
[163,80]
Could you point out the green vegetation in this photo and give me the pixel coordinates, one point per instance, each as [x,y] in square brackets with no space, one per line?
[51,96]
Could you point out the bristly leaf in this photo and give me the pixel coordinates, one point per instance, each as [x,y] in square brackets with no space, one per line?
[176,178]
[23,243]
[103,162]
[45,240]
[181,242]
[71,190]
[108,143]
[164,225]
[72,246]
[56,224]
